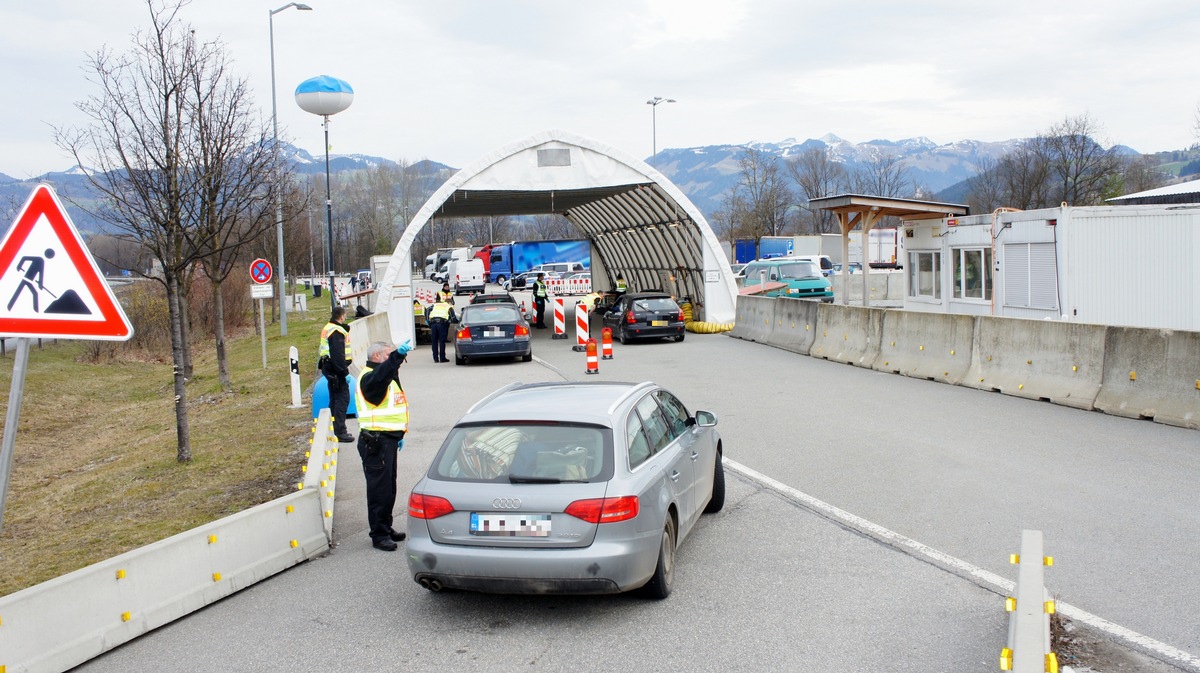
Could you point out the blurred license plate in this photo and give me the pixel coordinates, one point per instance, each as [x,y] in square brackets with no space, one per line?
[510,525]
[658,323]
[496,332]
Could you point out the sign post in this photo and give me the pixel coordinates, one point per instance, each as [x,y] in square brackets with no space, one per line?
[260,273]
[55,291]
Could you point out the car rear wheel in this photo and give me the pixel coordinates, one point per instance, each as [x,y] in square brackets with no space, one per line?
[717,501]
[660,584]
[623,336]
[459,360]
[528,357]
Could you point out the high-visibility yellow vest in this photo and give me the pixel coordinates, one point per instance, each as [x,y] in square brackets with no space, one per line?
[326,331]
[539,288]
[446,295]
[622,286]
[391,415]
[418,309]
[440,310]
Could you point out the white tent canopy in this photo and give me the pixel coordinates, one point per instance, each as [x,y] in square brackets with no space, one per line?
[639,224]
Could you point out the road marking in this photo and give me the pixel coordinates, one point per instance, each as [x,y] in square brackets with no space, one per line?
[1138,641]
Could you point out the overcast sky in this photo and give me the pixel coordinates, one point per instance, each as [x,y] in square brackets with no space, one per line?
[451,80]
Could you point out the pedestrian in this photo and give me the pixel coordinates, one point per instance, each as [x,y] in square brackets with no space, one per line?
[446,294]
[539,300]
[440,316]
[382,422]
[353,284]
[336,366]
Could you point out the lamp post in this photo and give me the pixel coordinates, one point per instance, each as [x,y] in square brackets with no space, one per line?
[654,103]
[279,177]
[324,95]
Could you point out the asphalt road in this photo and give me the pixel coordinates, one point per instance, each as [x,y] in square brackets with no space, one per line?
[771,583]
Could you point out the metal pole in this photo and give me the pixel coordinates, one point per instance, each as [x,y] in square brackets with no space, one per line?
[11,418]
[654,133]
[263,331]
[329,217]
[278,185]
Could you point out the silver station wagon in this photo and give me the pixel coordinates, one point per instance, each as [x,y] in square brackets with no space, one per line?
[565,488]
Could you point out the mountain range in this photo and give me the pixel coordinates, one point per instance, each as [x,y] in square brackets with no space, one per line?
[704,174]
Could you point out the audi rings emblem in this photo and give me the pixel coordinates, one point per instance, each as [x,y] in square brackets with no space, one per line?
[507,503]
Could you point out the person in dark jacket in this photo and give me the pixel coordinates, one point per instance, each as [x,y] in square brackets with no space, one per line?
[382,422]
[440,316]
[335,367]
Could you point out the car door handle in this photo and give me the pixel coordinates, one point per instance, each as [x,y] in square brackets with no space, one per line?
[695,455]
[675,475]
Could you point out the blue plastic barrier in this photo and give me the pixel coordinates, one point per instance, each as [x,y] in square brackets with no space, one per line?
[320,396]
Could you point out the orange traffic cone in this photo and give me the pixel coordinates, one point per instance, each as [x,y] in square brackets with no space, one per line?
[606,341]
[593,364]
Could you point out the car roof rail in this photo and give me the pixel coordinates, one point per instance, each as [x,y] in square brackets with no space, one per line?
[496,393]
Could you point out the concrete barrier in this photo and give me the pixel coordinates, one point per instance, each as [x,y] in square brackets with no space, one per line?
[848,334]
[934,346]
[1152,373]
[754,318]
[795,325]
[1062,362]
[66,621]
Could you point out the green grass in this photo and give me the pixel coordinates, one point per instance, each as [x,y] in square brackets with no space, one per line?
[95,472]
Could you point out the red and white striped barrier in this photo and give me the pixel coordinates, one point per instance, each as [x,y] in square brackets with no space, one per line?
[582,333]
[560,319]
[593,364]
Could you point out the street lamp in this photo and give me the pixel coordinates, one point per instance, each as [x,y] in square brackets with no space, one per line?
[653,103]
[324,95]
[279,177]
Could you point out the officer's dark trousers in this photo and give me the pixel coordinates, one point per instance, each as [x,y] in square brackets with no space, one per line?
[339,402]
[378,453]
[540,304]
[439,330]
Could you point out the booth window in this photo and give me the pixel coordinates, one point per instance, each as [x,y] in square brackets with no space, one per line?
[925,275]
[972,273]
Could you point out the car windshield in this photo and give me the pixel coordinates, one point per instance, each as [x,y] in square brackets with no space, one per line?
[799,270]
[489,314]
[655,304]
[526,453]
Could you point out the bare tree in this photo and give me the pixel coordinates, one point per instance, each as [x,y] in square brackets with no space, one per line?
[1140,174]
[144,140]
[884,174]
[1079,167]
[817,175]
[766,195]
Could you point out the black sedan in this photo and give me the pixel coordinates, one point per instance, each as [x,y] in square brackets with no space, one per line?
[646,315]
[493,298]
[491,331]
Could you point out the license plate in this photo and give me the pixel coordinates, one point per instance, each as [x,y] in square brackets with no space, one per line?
[510,525]
[658,323]
[493,332]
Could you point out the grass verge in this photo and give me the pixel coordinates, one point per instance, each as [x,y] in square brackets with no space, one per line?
[94,472]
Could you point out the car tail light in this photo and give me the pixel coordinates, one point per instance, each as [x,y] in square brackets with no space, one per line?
[521,331]
[421,506]
[680,316]
[629,317]
[464,334]
[604,510]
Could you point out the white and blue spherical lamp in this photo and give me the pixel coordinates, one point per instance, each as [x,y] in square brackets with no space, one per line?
[324,95]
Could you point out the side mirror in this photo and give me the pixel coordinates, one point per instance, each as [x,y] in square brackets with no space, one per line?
[706,419]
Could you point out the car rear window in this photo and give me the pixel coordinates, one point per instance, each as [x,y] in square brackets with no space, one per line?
[487,314]
[525,452]
[655,304]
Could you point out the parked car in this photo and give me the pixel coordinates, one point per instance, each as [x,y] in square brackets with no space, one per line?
[491,331]
[521,280]
[493,298]
[565,487]
[802,278]
[643,315]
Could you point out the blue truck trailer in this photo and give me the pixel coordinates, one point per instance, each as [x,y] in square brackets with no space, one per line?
[517,257]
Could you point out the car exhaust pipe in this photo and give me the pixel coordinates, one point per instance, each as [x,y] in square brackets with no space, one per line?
[430,584]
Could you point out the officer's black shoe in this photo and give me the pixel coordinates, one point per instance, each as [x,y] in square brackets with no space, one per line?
[345,438]
[397,537]
[384,544]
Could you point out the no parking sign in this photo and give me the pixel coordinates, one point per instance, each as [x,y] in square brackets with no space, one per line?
[260,271]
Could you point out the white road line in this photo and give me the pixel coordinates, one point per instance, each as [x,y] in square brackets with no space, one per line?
[1133,638]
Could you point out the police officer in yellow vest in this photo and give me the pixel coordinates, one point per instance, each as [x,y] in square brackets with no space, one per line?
[539,300]
[382,422]
[439,316]
[336,366]
[446,294]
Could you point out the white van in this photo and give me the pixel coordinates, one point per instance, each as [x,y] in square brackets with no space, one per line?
[466,275]
[559,268]
[822,261]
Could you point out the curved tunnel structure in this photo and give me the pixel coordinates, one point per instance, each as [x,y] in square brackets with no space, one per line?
[638,223]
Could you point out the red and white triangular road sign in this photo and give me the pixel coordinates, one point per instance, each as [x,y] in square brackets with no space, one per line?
[50,286]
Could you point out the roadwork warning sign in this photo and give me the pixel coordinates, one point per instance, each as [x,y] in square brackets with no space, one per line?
[50,286]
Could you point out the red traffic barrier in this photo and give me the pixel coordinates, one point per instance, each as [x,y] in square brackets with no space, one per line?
[606,341]
[593,364]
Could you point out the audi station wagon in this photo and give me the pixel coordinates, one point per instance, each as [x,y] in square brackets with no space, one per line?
[565,488]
